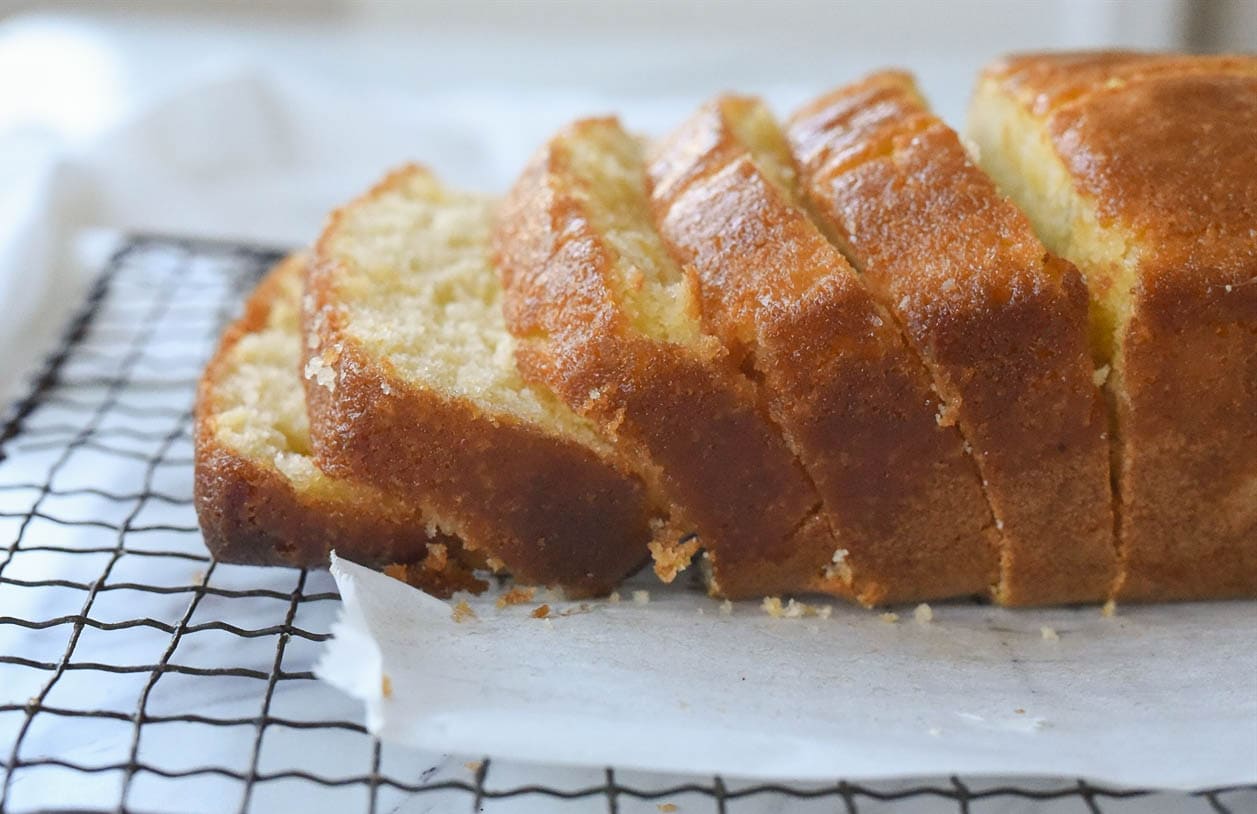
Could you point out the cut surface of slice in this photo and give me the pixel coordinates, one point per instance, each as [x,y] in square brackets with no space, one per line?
[260,498]
[412,386]
[607,320]
[1000,323]
[1139,168]
[831,364]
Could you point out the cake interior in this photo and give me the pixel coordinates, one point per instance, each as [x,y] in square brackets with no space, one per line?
[609,171]
[419,290]
[260,409]
[1013,147]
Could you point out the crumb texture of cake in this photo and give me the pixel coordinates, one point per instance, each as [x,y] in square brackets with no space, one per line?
[999,322]
[260,497]
[402,303]
[611,323]
[830,363]
[1139,168]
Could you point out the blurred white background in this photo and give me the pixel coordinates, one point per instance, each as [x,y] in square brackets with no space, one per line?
[252,119]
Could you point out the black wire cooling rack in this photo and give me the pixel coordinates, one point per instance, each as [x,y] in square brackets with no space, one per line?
[138,674]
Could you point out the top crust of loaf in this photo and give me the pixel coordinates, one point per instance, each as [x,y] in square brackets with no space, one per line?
[582,268]
[1181,180]
[853,400]
[260,498]
[411,385]
[1139,168]
[1000,323]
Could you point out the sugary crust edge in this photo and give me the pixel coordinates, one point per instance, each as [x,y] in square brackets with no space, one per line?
[1188,511]
[834,368]
[252,515]
[1046,473]
[552,511]
[681,414]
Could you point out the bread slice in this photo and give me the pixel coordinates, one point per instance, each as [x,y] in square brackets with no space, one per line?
[831,364]
[611,323]
[1140,169]
[412,387]
[1000,323]
[260,498]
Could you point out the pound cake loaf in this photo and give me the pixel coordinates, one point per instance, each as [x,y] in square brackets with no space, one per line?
[412,387]
[999,321]
[607,319]
[1139,168]
[834,370]
[259,496]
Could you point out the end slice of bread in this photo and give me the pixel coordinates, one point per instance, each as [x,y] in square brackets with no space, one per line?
[1139,168]
[411,383]
[259,496]
[607,319]
[1000,323]
[854,401]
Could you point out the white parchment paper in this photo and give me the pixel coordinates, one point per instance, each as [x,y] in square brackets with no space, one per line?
[1160,696]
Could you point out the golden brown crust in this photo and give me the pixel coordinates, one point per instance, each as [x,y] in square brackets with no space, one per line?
[856,404]
[685,417]
[250,514]
[1162,147]
[551,510]
[1182,180]
[1000,323]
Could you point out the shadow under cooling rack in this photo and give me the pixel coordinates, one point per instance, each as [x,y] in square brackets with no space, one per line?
[137,674]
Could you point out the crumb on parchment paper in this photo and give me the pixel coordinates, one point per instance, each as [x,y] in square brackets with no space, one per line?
[923,614]
[671,558]
[726,608]
[516,596]
[473,765]
[540,612]
[889,617]
[792,609]
[1109,610]
[1049,634]
[641,597]
[386,686]
[462,612]
[667,807]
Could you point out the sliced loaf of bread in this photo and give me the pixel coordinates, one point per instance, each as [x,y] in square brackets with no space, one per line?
[611,323]
[411,384]
[1139,168]
[999,321]
[854,401]
[259,496]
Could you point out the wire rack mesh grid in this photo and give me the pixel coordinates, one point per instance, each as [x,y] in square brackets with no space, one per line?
[136,673]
